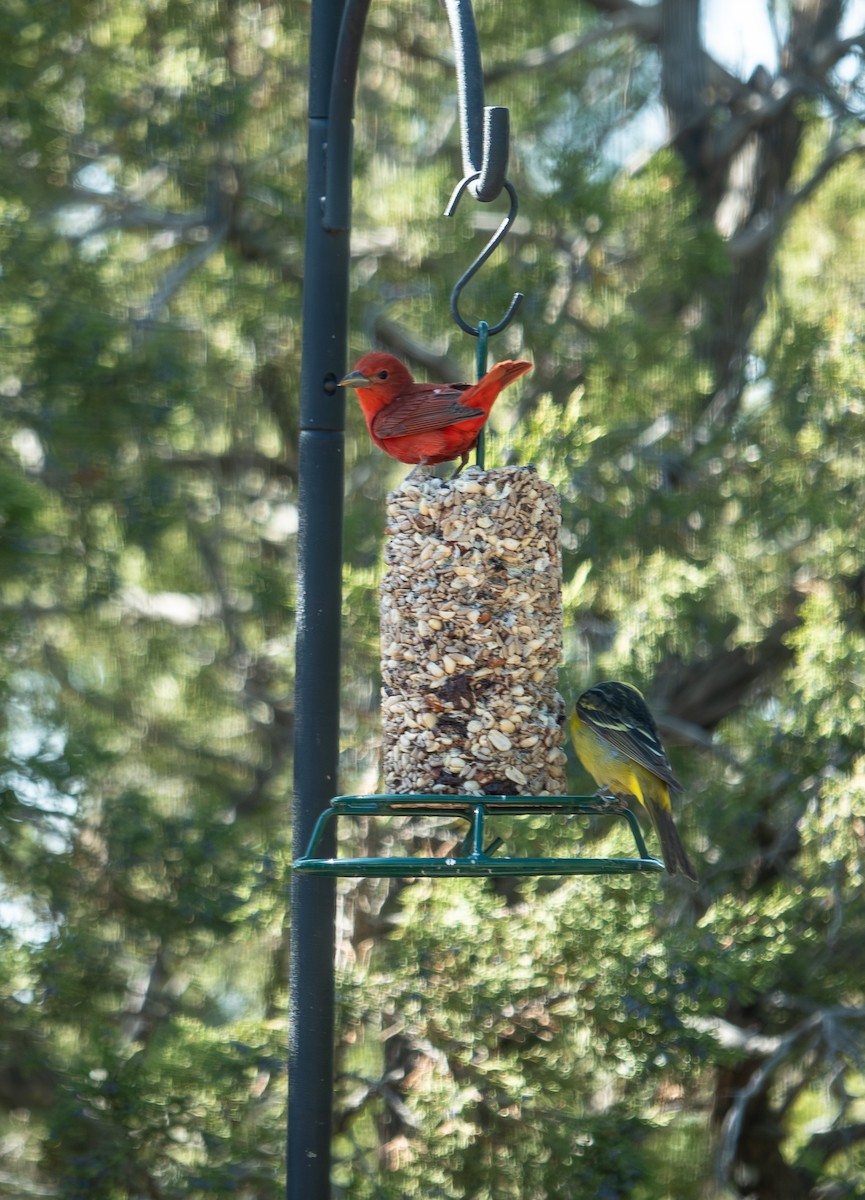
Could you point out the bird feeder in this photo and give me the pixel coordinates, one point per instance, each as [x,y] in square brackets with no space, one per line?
[471,640]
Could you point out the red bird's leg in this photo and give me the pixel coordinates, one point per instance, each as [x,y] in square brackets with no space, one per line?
[418,467]
[464,458]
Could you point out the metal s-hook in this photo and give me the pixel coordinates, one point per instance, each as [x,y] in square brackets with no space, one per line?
[494,241]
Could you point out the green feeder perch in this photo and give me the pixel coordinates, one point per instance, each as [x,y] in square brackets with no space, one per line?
[473,859]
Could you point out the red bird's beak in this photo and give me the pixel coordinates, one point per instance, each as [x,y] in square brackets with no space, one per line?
[354,379]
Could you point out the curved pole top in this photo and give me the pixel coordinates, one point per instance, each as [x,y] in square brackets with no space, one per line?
[485,131]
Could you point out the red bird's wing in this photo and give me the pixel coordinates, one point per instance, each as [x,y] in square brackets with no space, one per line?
[430,407]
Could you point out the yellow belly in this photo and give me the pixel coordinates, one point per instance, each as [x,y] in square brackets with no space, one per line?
[611,769]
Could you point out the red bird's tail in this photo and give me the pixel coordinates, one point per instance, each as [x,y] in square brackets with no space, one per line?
[486,390]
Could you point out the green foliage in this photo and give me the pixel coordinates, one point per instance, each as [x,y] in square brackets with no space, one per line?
[545,1039]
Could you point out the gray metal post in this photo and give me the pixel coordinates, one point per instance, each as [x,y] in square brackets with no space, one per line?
[319,603]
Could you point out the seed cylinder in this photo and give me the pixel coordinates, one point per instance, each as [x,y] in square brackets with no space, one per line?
[471,636]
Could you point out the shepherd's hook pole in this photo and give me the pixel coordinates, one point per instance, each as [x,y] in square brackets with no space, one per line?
[335,41]
[319,603]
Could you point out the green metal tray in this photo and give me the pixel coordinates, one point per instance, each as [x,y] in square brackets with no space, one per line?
[473,859]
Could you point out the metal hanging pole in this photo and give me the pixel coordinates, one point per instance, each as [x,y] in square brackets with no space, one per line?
[319,618]
[335,41]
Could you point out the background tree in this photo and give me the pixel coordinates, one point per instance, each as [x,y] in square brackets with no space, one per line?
[694,312]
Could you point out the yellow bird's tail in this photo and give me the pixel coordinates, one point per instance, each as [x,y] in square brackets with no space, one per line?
[674,853]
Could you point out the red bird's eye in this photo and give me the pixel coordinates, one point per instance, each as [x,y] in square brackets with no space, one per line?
[382,375]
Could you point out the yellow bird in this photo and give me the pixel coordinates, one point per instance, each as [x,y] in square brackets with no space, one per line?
[616,739]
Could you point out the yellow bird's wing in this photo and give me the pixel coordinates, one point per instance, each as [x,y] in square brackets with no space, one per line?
[618,713]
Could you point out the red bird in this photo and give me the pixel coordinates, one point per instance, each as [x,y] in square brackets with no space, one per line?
[425,423]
